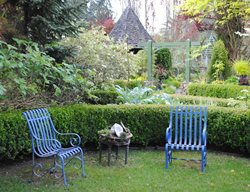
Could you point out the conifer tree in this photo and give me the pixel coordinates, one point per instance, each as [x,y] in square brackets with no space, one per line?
[43,21]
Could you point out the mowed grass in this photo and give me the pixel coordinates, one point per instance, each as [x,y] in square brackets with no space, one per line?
[145,172]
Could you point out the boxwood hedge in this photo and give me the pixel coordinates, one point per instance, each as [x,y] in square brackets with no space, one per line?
[216,90]
[210,101]
[228,129]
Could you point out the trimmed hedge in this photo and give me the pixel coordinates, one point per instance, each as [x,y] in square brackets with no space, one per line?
[199,100]
[216,90]
[228,129]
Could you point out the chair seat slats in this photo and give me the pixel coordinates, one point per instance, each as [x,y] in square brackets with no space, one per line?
[185,147]
[68,152]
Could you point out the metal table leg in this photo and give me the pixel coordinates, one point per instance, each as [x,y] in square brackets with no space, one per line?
[126,153]
[100,152]
[109,154]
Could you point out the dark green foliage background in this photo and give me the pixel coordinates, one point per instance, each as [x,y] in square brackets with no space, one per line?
[129,84]
[228,129]
[216,90]
[164,58]
[104,97]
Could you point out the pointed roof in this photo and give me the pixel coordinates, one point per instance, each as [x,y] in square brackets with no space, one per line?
[129,28]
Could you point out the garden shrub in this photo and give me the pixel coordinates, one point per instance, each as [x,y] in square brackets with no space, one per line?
[164,58]
[129,84]
[172,81]
[216,90]
[163,63]
[170,89]
[228,129]
[232,80]
[198,100]
[27,73]
[220,67]
[104,97]
[242,67]
[106,59]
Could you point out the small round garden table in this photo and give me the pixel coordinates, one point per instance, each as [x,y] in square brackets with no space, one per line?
[114,141]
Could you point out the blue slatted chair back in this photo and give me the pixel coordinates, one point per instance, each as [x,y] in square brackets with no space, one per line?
[187,125]
[42,131]
[187,131]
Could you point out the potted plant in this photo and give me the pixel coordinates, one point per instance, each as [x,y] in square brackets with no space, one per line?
[242,68]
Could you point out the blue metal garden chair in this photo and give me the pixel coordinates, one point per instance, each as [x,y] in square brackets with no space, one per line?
[187,131]
[45,141]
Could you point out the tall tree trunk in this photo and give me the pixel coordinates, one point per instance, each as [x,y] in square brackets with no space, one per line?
[231,40]
[26,17]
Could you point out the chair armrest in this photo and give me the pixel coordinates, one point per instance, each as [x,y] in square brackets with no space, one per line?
[75,139]
[204,136]
[168,134]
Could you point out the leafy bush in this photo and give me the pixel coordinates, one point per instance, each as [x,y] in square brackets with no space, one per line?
[163,63]
[141,60]
[232,80]
[129,84]
[219,68]
[103,97]
[106,59]
[215,90]
[172,81]
[168,89]
[26,72]
[141,95]
[164,58]
[228,129]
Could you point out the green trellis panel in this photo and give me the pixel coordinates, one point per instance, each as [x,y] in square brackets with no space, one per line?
[184,44]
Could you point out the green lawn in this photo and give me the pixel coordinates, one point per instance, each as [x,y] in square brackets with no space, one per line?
[144,172]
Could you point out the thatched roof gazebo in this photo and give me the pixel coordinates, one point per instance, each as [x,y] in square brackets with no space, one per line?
[129,29]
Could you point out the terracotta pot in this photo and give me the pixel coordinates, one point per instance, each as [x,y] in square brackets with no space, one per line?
[243,80]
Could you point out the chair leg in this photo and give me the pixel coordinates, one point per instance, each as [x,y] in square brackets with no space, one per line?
[82,162]
[205,156]
[54,160]
[63,172]
[33,163]
[167,156]
[203,160]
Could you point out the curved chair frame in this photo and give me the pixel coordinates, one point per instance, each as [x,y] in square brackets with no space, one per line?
[45,143]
